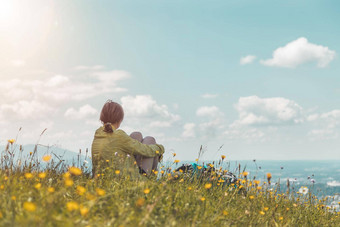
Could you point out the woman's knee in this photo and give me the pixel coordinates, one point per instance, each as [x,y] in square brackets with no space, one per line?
[137,136]
[149,140]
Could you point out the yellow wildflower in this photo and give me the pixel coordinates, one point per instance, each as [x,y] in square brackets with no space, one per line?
[38,186]
[75,171]
[11,141]
[107,160]
[90,196]
[225,212]
[208,185]
[189,188]
[174,154]
[68,182]
[13,198]
[196,159]
[29,206]
[83,210]
[262,213]
[100,191]
[42,175]
[117,172]
[50,189]
[251,197]
[81,190]
[280,218]
[140,202]
[28,175]
[71,206]
[2,186]
[199,167]
[202,199]
[176,161]
[181,180]
[157,152]
[266,208]
[245,174]
[223,157]
[146,191]
[46,158]
[67,175]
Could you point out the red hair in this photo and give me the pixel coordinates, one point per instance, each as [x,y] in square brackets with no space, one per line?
[112,113]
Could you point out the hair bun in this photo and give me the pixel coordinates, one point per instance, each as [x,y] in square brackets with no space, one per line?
[108,127]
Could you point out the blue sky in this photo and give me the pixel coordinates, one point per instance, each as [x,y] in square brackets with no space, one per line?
[260,78]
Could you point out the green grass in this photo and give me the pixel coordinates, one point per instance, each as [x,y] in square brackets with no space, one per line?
[114,200]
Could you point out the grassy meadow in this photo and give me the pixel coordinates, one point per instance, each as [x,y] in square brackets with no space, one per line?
[62,195]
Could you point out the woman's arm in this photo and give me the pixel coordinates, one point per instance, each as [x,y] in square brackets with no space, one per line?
[134,147]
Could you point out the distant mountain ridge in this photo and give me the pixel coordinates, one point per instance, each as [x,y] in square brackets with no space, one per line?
[41,150]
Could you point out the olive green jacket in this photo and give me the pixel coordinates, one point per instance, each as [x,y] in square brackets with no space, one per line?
[116,151]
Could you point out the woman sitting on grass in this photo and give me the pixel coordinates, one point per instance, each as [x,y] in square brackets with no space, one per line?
[123,154]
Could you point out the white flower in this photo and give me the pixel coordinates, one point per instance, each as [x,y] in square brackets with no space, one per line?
[303,190]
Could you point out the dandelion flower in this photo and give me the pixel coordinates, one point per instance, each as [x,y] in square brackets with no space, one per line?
[81,190]
[196,159]
[50,189]
[176,161]
[223,157]
[262,213]
[67,175]
[90,196]
[266,208]
[42,175]
[199,167]
[146,191]
[157,152]
[68,182]
[29,206]
[181,180]
[174,154]
[75,171]
[13,198]
[202,199]
[140,202]
[46,158]
[208,185]
[245,174]
[251,197]
[189,188]
[269,176]
[11,141]
[84,211]
[71,206]
[38,186]
[117,172]
[280,218]
[100,191]
[225,212]
[28,175]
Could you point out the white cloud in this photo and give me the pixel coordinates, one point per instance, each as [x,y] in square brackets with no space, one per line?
[298,52]
[209,111]
[83,112]
[189,130]
[144,106]
[237,131]
[266,111]
[326,126]
[23,98]
[247,59]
